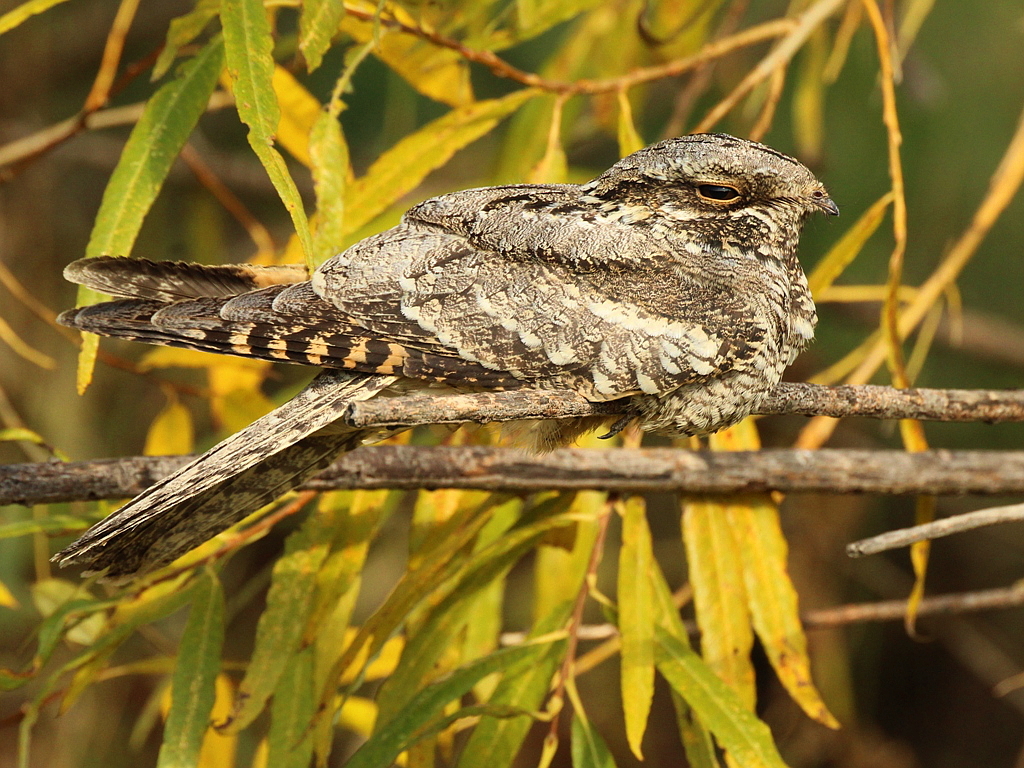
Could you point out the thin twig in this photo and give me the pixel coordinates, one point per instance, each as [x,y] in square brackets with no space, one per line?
[853,613]
[501,68]
[935,530]
[780,55]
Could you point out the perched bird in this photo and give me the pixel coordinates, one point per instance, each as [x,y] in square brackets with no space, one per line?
[671,280]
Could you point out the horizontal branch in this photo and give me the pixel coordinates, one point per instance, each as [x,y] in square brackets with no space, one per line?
[943,472]
[962,405]
[511,470]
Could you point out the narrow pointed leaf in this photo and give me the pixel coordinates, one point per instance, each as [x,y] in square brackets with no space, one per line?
[697,741]
[26,10]
[182,31]
[737,729]
[588,748]
[166,122]
[629,138]
[405,165]
[248,45]
[395,736]
[290,739]
[281,627]
[193,686]
[328,154]
[318,24]
[845,251]
[636,621]
[773,604]
[715,558]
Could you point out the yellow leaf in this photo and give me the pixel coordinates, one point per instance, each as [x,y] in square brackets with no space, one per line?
[845,251]
[299,112]
[629,138]
[438,73]
[404,166]
[171,431]
[636,620]
[773,603]
[552,168]
[235,397]
[7,598]
[772,599]
[715,557]
[358,715]
[809,99]
[219,748]
[86,361]
[13,18]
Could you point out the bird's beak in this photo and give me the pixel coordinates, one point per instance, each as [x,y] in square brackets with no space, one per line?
[824,203]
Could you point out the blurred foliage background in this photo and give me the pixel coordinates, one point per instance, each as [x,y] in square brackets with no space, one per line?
[907,701]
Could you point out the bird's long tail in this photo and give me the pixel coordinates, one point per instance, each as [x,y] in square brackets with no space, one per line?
[249,469]
[233,479]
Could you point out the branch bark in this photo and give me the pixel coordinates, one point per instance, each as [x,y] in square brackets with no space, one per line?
[961,405]
[510,470]
[504,469]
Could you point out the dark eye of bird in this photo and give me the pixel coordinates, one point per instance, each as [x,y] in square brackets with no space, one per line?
[718,192]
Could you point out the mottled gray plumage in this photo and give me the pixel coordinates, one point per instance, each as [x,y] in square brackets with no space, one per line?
[671,279]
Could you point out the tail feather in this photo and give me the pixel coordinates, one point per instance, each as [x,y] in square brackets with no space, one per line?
[227,483]
[175,280]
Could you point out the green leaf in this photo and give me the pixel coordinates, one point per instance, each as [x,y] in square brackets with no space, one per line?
[495,742]
[281,627]
[434,636]
[290,738]
[248,46]
[636,620]
[404,166]
[395,736]
[49,595]
[318,24]
[533,17]
[182,31]
[168,119]
[588,748]
[12,19]
[738,730]
[697,741]
[328,153]
[193,686]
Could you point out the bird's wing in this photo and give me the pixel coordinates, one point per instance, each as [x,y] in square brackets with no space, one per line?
[606,309]
[224,485]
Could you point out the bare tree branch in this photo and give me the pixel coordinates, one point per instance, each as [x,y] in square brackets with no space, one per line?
[963,405]
[510,470]
[838,471]
[904,537]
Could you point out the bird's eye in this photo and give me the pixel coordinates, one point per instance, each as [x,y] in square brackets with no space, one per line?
[720,193]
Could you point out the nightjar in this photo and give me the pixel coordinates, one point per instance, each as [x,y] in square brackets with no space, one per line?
[671,280]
